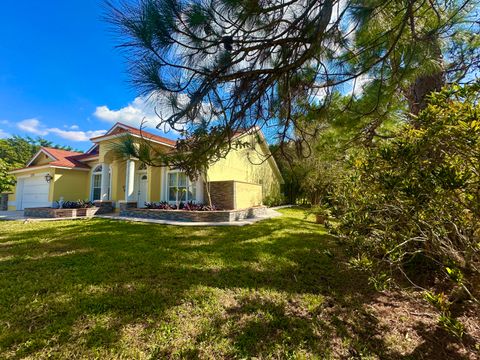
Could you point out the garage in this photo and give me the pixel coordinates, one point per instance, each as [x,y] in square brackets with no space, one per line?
[33,192]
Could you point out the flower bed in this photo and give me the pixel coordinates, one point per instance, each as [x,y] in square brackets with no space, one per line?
[187,206]
[194,216]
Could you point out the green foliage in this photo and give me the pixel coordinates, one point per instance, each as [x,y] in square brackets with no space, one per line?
[275,199]
[320,210]
[216,67]
[15,152]
[414,200]
[449,323]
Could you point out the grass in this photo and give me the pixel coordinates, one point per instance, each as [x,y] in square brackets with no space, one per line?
[107,289]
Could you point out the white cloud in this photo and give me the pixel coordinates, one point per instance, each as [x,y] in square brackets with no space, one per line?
[138,111]
[3,134]
[34,126]
[77,135]
[146,112]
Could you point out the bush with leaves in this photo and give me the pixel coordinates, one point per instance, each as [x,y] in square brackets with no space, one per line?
[413,204]
[187,206]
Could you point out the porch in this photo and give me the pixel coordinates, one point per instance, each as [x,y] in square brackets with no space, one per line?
[131,183]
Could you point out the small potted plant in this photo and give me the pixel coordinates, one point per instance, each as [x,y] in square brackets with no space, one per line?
[321,214]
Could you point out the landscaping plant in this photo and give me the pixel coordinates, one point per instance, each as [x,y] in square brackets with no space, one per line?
[413,206]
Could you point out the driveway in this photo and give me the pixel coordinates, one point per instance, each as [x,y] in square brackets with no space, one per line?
[11,215]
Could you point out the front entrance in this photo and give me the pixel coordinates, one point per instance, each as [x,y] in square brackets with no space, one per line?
[142,190]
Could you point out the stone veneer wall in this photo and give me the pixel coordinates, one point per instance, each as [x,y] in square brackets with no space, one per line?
[60,213]
[222,194]
[104,207]
[194,216]
[234,194]
[3,202]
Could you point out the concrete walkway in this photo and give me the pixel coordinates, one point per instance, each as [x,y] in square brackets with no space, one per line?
[11,215]
[19,216]
[269,214]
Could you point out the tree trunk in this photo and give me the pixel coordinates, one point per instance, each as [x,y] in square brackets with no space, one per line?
[424,85]
[207,188]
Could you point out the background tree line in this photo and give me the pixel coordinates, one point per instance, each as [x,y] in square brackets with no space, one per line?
[15,152]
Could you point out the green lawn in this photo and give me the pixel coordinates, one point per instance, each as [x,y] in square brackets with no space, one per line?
[109,289]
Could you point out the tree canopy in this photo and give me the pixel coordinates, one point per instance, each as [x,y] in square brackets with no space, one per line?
[212,68]
[15,152]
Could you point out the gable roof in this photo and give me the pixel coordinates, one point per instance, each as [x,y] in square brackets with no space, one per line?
[264,144]
[60,158]
[120,129]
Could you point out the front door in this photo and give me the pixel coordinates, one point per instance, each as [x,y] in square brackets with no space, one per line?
[142,191]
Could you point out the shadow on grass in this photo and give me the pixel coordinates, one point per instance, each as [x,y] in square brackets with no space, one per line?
[276,288]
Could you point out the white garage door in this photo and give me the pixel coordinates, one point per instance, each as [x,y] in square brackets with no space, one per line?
[34,193]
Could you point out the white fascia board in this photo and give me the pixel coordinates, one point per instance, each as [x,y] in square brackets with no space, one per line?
[134,135]
[40,152]
[19,171]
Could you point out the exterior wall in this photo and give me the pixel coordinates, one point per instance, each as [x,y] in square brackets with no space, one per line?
[247,195]
[42,159]
[72,185]
[248,165]
[235,194]
[117,192]
[12,200]
[154,183]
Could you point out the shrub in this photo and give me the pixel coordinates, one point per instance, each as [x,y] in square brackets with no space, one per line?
[188,206]
[275,199]
[79,204]
[414,202]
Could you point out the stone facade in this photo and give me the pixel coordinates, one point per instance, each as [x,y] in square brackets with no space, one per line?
[3,202]
[194,216]
[232,194]
[60,213]
[222,194]
[104,207]
[125,205]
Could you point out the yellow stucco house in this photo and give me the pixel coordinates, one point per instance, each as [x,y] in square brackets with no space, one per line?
[242,179]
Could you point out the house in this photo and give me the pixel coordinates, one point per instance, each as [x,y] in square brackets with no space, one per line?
[242,179]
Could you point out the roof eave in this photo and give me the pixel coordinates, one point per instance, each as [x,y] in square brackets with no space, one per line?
[114,136]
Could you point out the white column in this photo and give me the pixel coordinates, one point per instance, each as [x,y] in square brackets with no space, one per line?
[163,186]
[105,182]
[130,180]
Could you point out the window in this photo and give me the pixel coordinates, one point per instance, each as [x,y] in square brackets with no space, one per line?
[97,184]
[180,188]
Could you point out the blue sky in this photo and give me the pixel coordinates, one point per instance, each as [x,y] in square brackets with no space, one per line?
[60,75]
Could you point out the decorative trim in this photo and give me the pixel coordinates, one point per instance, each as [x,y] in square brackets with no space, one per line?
[45,167]
[42,150]
[115,136]
[32,175]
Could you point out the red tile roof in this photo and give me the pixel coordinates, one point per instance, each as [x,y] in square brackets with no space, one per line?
[65,158]
[138,132]
[62,158]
